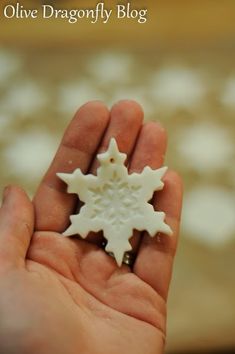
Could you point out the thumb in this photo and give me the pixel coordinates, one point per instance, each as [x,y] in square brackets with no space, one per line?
[16,227]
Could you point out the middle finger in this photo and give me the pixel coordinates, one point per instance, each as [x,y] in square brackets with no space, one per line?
[125,123]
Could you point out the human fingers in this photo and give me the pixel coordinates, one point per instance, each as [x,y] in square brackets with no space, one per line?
[155,257]
[16,227]
[81,139]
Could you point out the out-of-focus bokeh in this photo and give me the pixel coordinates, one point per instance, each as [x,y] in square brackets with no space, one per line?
[180,66]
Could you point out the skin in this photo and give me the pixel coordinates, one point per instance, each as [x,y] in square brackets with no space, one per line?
[66,295]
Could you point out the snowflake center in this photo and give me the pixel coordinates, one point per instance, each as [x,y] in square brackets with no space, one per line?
[115,200]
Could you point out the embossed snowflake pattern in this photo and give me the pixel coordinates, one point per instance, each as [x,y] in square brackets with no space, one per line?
[116,202]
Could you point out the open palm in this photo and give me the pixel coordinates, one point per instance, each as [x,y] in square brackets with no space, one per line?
[66,295]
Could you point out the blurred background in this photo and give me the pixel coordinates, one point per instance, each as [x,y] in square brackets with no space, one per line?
[179,66]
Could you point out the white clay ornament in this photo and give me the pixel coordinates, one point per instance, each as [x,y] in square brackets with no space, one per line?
[116,202]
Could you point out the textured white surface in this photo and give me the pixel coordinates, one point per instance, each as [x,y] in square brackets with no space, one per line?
[177,87]
[30,154]
[206,147]
[116,202]
[111,67]
[208,215]
[24,98]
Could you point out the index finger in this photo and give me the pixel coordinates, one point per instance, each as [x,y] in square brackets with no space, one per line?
[79,143]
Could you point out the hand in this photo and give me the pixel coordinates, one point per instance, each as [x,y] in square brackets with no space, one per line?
[66,295]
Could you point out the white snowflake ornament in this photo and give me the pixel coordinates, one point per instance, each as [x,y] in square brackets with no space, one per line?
[116,202]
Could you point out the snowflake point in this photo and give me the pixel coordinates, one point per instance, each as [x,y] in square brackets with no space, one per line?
[116,202]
